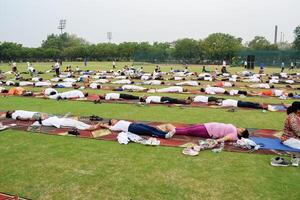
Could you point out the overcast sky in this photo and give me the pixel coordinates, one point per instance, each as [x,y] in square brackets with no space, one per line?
[30,21]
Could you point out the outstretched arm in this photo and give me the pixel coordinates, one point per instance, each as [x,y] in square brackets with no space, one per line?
[225,138]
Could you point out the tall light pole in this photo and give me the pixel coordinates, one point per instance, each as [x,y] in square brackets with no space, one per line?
[62,25]
[109,36]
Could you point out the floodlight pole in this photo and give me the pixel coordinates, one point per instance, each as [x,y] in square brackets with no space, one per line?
[62,25]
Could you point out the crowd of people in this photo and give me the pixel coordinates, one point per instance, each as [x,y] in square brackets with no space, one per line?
[175,81]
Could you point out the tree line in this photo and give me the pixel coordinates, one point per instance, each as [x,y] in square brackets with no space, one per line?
[215,47]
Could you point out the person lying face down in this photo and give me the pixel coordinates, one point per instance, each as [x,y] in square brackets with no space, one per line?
[73,94]
[136,128]
[214,90]
[224,84]
[19,91]
[49,92]
[153,82]
[117,96]
[242,104]
[172,89]
[188,83]
[26,115]
[219,131]
[159,99]
[206,99]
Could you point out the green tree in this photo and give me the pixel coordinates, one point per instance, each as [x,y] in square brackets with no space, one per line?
[10,51]
[218,46]
[296,42]
[187,49]
[62,41]
[261,43]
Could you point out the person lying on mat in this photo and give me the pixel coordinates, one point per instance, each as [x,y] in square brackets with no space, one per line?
[117,96]
[219,131]
[188,83]
[153,82]
[273,92]
[172,89]
[291,135]
[223,84]
[241,104]
[73,94]
[134,88]
[206,99]
[214,90]
[159,99]
[59,122]
[19,91]
[25,115]
[136,128]
[49,92]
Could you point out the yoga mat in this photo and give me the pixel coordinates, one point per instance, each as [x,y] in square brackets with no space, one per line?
[272,143]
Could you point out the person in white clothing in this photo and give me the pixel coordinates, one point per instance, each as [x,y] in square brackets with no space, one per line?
[162,99]
[26,83]
[172,89]
[214,90]
[73,94]
[49,91]
[134,88]
[117,96]
[242,104]
[126,81]
[261,86]
[43,84]
[206,99]
[25,115]
[94,85]
[153,82]
[59,122]
[188,83]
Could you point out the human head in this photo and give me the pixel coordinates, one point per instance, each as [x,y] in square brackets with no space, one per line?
[98,86]
[112,122]
[185,90]
[294,108]
[9,114]
[86,94]
[202,90]
[162,82]
[242,133]
[272,86]
[143,98]
[52,93]
[291,95]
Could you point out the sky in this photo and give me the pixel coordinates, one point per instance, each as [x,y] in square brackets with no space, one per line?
[30,21]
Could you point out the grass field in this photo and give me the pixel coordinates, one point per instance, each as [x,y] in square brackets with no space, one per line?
[41,166]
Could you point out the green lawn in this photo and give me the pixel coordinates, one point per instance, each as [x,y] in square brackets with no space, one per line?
[39,166]
[56,167]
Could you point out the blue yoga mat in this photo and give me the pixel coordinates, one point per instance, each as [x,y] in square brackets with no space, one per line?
[272,143]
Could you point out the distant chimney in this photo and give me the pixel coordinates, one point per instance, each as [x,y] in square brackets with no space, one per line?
[275,37]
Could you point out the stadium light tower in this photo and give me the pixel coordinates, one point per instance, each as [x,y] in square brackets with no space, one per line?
[109,36]
[62,25]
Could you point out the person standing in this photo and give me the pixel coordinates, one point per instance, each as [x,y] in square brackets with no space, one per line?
[282,66]
[114,64]
[56,67]
[245,64]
